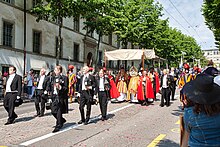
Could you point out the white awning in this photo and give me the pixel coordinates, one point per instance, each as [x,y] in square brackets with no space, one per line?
[130,54]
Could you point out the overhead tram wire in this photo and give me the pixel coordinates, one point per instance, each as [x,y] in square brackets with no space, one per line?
[178,22]
[185,19]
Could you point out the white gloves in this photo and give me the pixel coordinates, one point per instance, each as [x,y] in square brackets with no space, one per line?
[49,101]
[18,97]
[45,92]
[78,95]
[94,97]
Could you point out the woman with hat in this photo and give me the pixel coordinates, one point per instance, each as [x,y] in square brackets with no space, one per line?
[202,111]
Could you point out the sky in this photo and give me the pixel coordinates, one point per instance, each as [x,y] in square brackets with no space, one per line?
[194,22]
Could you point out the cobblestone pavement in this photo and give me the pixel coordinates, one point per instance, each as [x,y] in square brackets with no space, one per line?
[133,126]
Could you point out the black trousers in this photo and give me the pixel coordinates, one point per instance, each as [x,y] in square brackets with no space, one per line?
[165,95]
[103,102]
[85,99]
[173,89]
[59,118]
[9,104]
[40,99]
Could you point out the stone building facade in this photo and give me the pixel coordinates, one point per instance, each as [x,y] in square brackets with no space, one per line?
[41,40]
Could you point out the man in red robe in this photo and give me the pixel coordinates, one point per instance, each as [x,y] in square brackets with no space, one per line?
[145,89]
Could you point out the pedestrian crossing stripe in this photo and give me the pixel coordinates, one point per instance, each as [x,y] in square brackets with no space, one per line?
[156,140]
[3,146]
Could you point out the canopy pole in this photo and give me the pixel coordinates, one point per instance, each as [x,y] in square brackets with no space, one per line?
[143,58]
[105,60]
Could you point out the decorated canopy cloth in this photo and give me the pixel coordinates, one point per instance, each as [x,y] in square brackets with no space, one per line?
[130,54]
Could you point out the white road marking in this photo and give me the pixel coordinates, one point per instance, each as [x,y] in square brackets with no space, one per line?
[69,128]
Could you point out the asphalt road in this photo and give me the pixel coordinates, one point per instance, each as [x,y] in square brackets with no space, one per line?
[128,125]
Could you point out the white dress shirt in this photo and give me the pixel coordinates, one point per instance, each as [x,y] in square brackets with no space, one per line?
[83,81]
[8,84]
[40,84]
[101,84]
[165,82]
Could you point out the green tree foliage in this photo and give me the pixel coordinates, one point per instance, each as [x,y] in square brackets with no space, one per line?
[211,12]
[56,10]
[135,21]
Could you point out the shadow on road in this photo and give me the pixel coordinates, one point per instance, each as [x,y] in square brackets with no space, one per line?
[109,116]
[167,143]
[66,125]
[23,119]
[177,112]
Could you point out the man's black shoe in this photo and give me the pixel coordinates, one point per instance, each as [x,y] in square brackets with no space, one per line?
[86,122]
[161,105]
[41,115]
[80,122]
[56,130]
[8,123]
[63,120]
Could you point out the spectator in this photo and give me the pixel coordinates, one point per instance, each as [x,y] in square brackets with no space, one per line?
[30,83]
[202,111]
[1,86]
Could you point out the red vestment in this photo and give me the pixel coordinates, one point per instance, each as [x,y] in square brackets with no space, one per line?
[157,82]
[149,93]
[113,90]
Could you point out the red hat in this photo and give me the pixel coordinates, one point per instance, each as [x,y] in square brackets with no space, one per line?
[199,70]
[195,68]
[186,66]
[91,68]
[104,68]
[70,67]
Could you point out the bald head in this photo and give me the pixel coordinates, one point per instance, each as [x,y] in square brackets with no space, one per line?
[85,69]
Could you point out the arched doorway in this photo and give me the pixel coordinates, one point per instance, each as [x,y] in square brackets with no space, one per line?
[89,59]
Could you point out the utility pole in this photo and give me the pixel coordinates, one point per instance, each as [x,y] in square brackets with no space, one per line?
[24,37]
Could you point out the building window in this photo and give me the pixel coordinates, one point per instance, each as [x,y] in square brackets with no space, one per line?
[76,23]
[110,39]
[35,2]
[9,1]
[61,48]
[36,41]
[76,52]
[7,34]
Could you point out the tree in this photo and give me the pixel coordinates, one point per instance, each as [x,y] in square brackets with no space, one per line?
[98,15]
[56,10]
[211,12]
[136,20]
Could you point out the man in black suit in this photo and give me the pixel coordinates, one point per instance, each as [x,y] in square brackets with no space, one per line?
[42,90]
[86,90]
[165,86]
[59,97]
[13,92]
[173,84]
[102,89]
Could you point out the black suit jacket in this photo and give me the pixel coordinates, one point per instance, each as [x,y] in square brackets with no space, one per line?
[93,84]
[169,81]
[62,93]
[16,84]
[106,83]
[46,83]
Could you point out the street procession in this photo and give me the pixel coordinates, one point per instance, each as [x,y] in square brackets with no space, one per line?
[109,73]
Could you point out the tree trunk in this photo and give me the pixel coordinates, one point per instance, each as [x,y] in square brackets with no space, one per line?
[97,52]
[60,23]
